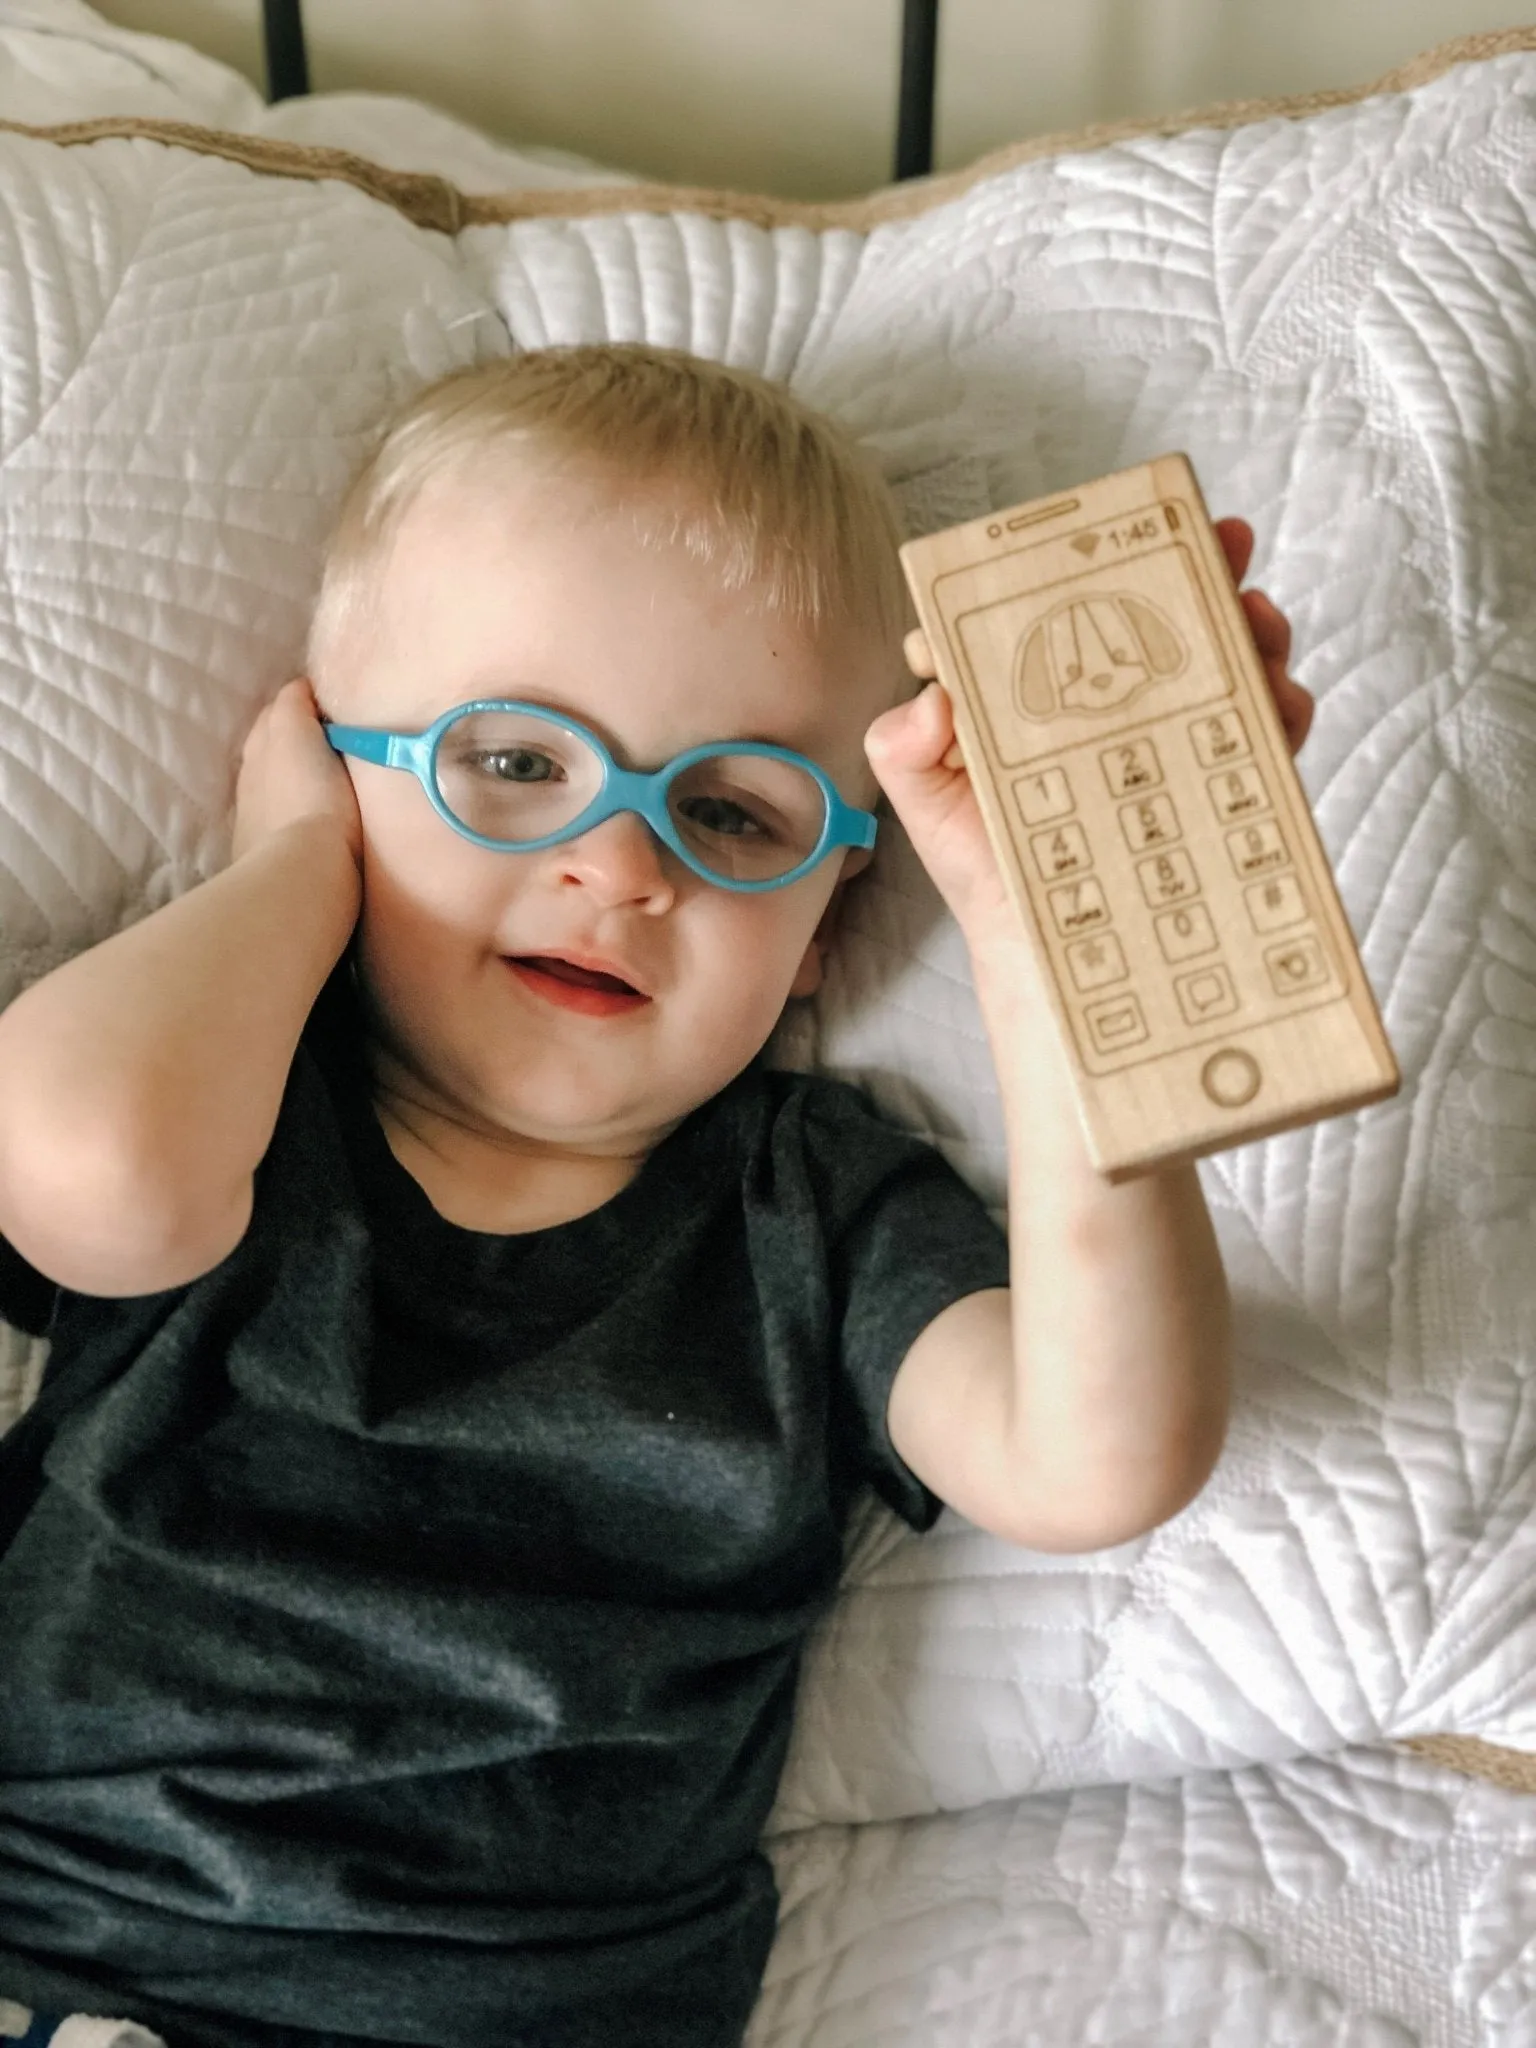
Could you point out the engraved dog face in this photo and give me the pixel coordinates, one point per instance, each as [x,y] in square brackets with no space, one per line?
[1093,653]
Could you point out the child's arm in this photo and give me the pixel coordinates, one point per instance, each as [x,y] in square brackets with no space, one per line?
[1087,1402]
[140,1082]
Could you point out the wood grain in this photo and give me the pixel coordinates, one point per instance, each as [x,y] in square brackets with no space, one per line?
[1138,788]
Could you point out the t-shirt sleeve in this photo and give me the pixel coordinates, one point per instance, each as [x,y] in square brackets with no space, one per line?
[27,1298]
[907,1237]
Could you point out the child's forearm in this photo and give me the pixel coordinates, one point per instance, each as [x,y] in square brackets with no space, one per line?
[1120,1312]
[140,1082]
[1088,1403]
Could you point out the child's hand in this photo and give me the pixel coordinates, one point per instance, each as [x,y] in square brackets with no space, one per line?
[916,759]
[288,771]
[1271,631]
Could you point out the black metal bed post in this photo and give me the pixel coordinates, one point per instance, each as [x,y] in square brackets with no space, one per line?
[919,64]
[287,62]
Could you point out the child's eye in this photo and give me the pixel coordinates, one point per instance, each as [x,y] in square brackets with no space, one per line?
[518,764]
[749,817]
[719,815]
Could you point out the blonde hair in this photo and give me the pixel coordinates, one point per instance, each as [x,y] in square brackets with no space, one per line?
[777,499]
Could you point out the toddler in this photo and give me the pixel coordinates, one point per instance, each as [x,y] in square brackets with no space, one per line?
[465,1351]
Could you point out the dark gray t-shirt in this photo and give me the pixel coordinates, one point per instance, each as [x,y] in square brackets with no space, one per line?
[402,1644]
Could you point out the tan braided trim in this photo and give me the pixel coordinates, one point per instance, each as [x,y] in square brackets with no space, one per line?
[425,199]
[1514,1769]
[432,202]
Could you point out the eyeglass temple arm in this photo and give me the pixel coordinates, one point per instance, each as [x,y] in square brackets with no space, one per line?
[851,827]
[364,743]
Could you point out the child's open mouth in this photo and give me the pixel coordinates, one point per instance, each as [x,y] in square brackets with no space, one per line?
[587,990]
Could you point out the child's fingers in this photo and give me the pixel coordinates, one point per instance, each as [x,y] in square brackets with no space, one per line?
[287,771]
[1271,631]
[1295,706]
[922,664]
[1236,537]
[294,702]
[916,759]
[1270,628]
[920,655]
[914,737]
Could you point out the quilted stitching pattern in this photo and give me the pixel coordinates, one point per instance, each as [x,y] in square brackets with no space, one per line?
[1359,1902]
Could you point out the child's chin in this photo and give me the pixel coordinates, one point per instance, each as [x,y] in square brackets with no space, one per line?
[596,1121]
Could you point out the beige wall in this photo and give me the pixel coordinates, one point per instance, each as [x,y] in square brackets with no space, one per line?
[797,96]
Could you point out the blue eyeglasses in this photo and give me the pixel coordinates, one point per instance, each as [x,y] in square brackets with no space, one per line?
[515,777]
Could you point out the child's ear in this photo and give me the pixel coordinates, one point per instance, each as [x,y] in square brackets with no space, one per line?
[808,974]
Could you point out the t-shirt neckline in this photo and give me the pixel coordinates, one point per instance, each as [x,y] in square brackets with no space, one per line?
[688,1161]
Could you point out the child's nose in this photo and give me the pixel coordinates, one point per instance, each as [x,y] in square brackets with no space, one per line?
[620,861]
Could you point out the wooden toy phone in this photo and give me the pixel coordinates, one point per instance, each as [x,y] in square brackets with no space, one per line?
[1138,789]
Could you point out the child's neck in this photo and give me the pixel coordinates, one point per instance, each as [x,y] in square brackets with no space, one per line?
[489,1180]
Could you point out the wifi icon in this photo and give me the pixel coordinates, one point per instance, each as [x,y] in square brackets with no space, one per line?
[1085,543]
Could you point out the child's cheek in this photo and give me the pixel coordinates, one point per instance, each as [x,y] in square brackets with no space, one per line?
[766,942]
[413,859]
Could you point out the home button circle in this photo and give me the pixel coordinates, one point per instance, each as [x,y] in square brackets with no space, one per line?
[1230,1077]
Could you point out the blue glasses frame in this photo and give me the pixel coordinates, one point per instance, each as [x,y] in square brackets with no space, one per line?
[621,789]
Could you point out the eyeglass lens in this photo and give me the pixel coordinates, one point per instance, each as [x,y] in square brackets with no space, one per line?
[514,777]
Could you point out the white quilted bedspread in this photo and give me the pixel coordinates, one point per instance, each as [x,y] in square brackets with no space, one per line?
[1359,1901]
[1336,318]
